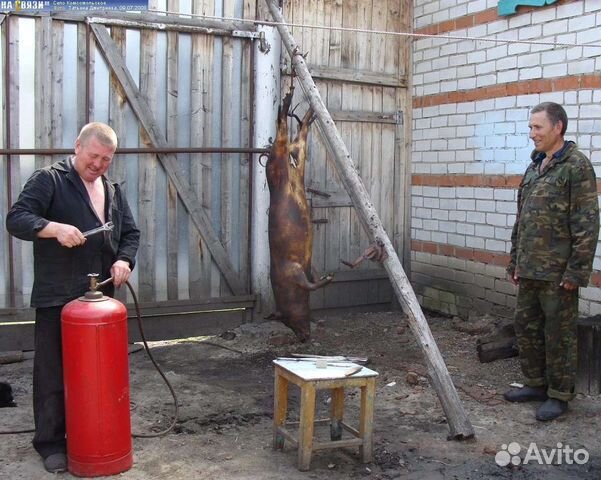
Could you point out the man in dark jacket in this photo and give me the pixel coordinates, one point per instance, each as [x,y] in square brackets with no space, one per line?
[552,250]
[56,205]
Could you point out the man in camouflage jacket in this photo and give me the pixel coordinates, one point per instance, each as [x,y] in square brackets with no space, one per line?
[552,250]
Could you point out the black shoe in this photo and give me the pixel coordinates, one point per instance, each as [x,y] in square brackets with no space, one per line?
[551,409]
[526,394]
[56,463]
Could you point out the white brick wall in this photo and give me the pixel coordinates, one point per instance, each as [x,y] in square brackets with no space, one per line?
[495,135]
[476,216]
[495,62]
[490,137]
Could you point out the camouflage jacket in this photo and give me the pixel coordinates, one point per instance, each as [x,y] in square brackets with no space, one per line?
[557,225]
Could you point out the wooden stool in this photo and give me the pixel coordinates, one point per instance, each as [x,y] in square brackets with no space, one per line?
[309,379]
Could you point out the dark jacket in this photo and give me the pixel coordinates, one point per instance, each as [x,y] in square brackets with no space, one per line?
[557,226]
[56,193]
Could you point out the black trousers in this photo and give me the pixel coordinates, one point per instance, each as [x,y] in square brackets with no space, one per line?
[48,389]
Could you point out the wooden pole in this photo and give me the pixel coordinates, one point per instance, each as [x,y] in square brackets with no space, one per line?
[459,425]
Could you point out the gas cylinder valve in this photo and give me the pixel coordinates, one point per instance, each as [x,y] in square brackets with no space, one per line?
[94,294]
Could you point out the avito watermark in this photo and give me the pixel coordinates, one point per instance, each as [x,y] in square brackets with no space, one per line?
[510,454]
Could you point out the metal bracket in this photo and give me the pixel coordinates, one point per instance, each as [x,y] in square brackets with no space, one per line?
[245,34]
[398,117]
[263,44]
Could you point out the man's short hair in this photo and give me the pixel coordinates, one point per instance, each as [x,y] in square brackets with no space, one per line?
[555,113]
[101,131]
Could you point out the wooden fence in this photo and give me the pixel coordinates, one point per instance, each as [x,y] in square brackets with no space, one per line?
[173,82]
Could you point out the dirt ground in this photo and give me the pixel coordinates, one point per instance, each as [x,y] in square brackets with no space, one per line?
[226,403]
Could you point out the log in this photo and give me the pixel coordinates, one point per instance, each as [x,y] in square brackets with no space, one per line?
[500,344]
[495,348]
[459,425]
[11,357]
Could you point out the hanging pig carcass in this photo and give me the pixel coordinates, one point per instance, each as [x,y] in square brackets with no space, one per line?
[290,232]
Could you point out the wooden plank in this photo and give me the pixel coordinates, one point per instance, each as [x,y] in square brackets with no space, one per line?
[229,123]
[364,40]
[371,175]
[353,139]
[171,137]
[165,307]
[203,56]
[332,185]
[349,38]
[162,321]
[280,407]
[117,170]
[375,179]
[315,171]
[366,420]
[244,161]
[213,303]
[403,141]
[320,38]
[305,430]
[165,327]
[147,168]
[346,443]
[387,167]
[58,34]
[307,33]
[315,178]
[361,116]
[16,289]
[335,42]
[5,238]
[200,263]
[250,9]
[406,43]
[187,195]
[392,42]
[82,67]
[44,77]
[378,22]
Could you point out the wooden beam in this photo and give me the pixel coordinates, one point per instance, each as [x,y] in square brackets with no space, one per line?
[162,320]
[459,424]
[351,75]
[210,26]
[169,162]
[363,117]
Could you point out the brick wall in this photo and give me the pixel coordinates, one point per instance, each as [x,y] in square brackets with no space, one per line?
[471,102]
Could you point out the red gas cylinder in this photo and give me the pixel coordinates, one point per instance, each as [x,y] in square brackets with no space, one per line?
[96,378]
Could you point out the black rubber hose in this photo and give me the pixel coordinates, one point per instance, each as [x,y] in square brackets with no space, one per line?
[148,352]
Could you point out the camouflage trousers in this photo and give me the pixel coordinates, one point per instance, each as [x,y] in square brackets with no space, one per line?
[546,329]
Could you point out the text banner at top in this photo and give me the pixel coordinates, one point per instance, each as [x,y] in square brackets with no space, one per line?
[71,5]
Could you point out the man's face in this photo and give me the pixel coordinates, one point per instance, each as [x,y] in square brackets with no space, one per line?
[92,159]
[543,133]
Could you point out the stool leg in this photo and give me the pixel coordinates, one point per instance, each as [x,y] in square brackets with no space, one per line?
[337,412]
[366,421]
[305,431]
[280,408]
